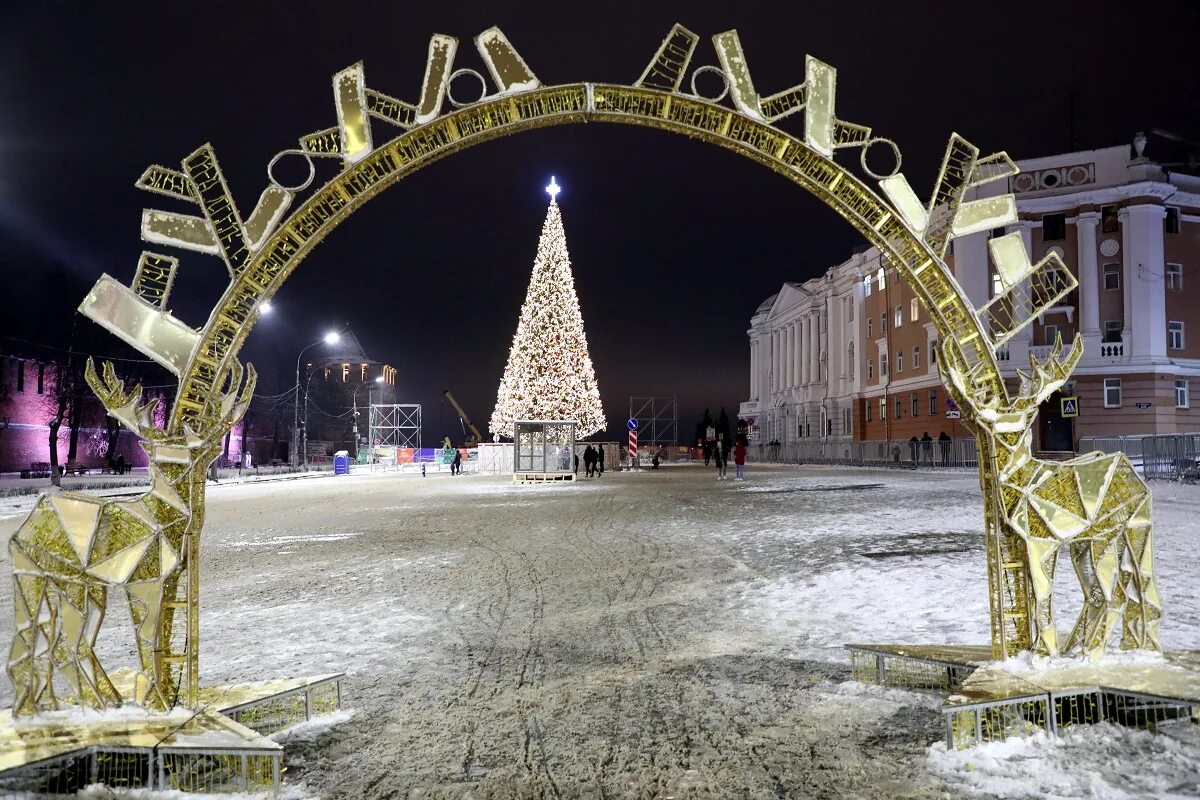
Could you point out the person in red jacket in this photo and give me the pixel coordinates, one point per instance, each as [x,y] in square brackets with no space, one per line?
[739,459]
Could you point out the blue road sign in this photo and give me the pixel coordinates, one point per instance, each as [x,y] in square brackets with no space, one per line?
[633,424]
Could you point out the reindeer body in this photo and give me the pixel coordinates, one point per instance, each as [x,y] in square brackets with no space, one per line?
[73,549]
[1094,505]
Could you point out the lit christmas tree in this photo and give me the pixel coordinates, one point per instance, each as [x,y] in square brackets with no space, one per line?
[549,374]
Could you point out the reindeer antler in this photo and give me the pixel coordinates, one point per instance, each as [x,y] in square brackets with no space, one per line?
[123,405]
[1045,378]
[232,406]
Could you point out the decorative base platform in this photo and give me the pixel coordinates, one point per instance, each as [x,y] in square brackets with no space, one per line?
[543,477]
[990,700]
[220,747]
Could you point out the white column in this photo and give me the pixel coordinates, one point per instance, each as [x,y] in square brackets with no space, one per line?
[1145,268]
[753,371]
[801,343]
[1089,278]
[815,352]
[971,268]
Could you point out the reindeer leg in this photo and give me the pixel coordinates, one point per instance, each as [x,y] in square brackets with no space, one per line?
[25,657]
[1042,559]
[1143,605]
[145,604]
[97,602]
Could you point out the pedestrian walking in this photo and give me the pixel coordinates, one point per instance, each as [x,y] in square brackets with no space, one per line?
[913,444]
[944,446]
[577,462]
[739,460]
[600,459]
[927,448]
[589,461]
[719,459]
[456,464]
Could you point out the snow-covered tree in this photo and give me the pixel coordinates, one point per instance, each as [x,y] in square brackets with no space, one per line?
[549,374]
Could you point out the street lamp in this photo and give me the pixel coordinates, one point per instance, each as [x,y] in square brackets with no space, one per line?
[330,338]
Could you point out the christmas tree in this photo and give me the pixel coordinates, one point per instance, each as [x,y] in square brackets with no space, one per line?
[549,375]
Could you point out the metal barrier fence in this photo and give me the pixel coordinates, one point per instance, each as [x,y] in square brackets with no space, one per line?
[1168,456]
[937,454]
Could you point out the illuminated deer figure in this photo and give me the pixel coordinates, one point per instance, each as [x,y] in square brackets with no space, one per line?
[1094,504]
[72,549]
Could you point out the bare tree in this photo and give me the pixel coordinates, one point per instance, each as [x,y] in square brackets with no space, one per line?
[63,402]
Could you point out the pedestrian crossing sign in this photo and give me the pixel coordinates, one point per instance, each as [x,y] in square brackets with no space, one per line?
[1070,406]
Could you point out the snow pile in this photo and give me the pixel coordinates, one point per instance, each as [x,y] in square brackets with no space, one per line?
[1096,761]
[1027,663]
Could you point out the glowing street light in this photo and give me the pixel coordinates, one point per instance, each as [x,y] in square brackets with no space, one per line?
[330,338]
[266,308]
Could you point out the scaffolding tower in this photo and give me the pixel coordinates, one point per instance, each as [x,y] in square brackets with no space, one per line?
[658,420]
[395,425]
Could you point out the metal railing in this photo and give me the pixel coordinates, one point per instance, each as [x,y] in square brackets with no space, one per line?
[1166,456]
[935,454]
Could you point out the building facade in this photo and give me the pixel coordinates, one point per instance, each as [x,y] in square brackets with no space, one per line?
[850,356]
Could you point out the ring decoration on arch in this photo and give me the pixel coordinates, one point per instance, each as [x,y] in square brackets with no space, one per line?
[71,553]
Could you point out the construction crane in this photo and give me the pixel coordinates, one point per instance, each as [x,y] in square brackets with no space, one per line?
[476,437]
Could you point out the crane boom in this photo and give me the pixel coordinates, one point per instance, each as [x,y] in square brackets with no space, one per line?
[462,415]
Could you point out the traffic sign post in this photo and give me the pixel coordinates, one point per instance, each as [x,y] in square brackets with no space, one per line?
[952,411]
[1069,406]
[633,429]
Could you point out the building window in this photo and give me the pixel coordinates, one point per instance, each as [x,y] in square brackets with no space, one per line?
[899,361]
[1112,277]
[1171,220]
[997,286]
[933,404]
[933,352]
[916,358]
[1108,219]
[883,323]
[345,372]
[1053,332]
[1175,276]
[882,409]
[1181,394]
[1112,330]
[883,365]
[1112,392]
[870,369]
[914,309]
[1054,227]
[881,279]
[848,422]
[899,316]
[916,405]
[41,378]
[869,323]
[867,409]
[899,407]
[850,361]
[1175,335]
[20,375]
[866,285]
[850,313]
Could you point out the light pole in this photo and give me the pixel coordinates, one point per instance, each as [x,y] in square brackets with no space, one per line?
[329,338]
[354,402]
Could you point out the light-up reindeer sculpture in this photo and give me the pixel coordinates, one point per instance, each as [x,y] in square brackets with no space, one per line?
[1096,505]
[73,550]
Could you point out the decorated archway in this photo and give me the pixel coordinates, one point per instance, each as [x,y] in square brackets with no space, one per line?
[151,550]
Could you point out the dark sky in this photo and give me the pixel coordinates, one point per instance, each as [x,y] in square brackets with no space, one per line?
[674,242]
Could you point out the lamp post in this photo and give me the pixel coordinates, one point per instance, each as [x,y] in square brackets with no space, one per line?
[329,338]
[354,402]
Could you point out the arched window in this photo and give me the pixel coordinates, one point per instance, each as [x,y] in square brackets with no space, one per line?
[881,279]
[850,361]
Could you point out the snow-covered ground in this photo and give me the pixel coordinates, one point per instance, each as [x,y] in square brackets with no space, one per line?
[639,635]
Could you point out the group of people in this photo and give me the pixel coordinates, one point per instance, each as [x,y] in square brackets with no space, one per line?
[924,446]
[593,461]
[720,457]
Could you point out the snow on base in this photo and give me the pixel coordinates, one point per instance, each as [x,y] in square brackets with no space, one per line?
[1026,663]
[311,729]
[1094,761]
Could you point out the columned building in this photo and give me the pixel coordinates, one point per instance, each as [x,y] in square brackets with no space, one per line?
[1125,226]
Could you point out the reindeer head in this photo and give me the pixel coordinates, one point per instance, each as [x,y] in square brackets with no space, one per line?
[1004,414]
[127,406]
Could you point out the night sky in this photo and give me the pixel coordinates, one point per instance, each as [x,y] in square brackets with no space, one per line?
[674,242]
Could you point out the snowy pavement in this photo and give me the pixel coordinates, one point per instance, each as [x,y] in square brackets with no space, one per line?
[639,635]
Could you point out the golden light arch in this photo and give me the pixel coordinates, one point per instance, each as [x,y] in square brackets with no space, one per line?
[151,551]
